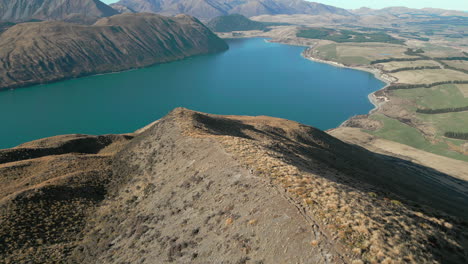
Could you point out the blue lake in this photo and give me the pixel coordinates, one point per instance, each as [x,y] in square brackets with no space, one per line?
[253,77]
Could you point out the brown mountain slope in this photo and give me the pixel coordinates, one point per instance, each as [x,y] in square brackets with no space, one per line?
[86,11]
[200,188]
[208,9]
[32,53]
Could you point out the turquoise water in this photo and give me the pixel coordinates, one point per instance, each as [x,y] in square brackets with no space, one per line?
[253,78]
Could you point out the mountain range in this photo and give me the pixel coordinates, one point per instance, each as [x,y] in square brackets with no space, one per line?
[207,9]
[87,11]
[405,11]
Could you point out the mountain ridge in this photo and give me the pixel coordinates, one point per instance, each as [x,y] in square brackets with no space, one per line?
[206,10]
[195,187]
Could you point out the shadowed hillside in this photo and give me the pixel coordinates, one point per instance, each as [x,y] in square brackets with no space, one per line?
[200,188]
[32,53]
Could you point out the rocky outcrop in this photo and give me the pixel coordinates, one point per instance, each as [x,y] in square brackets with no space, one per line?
[204,9]
[32,53]
[201,188]
[83,11]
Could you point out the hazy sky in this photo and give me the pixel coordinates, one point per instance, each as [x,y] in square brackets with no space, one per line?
[352,4]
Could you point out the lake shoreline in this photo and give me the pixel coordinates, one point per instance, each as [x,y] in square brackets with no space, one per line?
[372,97]
[378,74]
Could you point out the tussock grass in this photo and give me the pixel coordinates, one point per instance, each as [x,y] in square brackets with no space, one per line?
[373,228]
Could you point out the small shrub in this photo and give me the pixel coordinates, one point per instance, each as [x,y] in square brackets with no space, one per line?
[253,222]
[229,221]
[308,201]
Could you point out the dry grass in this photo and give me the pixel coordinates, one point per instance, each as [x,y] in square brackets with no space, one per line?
[429,76]
[463,89]
[457,64]
[373,228]
[253,222]
[44,201]
[371,51]
[229,221]
[393,65]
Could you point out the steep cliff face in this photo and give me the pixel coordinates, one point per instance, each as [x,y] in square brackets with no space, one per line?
[32,53]
[200,188]
[204,9]
[76,10]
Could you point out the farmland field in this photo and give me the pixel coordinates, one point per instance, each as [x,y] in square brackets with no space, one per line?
[442,96]
[457,64]
[394,65]
[430,76]
[362,53]
[396,131]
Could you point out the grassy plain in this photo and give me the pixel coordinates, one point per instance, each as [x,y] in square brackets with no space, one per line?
[429,76]
[456,122]
[437,51]
[463,89]
[438,97]
[394,65]
[362,53]
[396,131]
[457,64]
[442,96]
[342,35]
[328,51]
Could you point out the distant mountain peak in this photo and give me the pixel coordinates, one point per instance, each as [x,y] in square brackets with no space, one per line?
[208,9]
[399,10]
[86,11]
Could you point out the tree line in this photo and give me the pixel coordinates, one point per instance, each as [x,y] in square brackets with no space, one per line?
[456,135]
[415,68]
[430,85]
[394,59]
[421,57]
[453,58]
[452,68]
[442,110]
[413,52]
